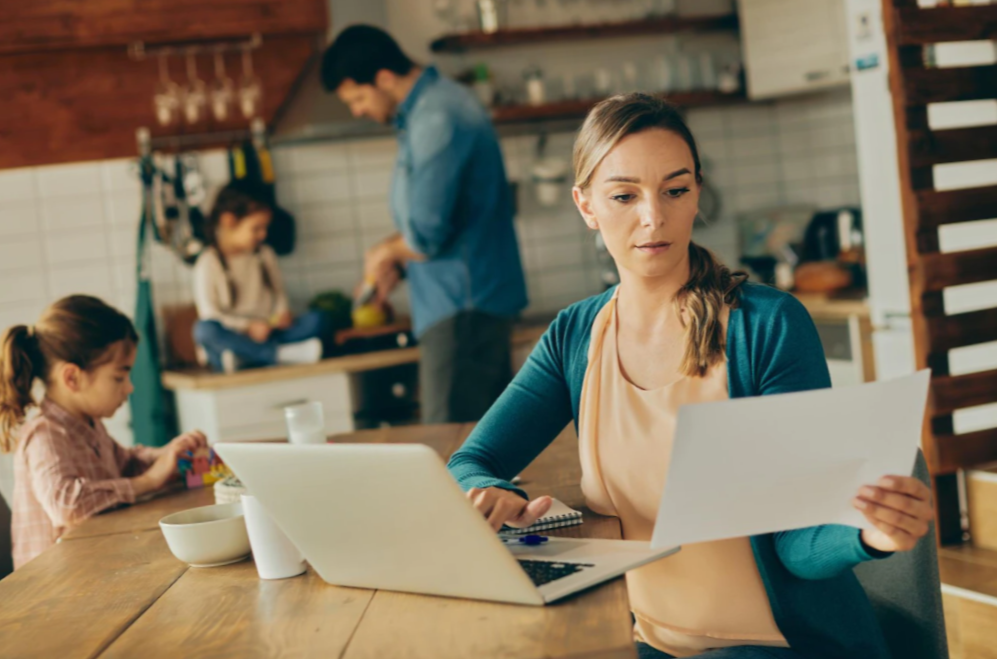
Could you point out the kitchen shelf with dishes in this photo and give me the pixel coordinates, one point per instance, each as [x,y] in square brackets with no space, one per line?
[573,109]
[477,40]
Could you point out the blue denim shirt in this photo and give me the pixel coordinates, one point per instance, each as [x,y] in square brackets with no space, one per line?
[451,202]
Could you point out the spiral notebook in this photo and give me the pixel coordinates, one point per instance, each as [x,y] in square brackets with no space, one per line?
[558,516]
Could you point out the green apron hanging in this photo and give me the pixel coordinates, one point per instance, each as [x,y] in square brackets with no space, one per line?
[153,421]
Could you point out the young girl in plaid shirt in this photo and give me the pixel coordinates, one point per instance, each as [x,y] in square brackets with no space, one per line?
[66,467]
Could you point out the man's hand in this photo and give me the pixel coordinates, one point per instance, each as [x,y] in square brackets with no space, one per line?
[385,262]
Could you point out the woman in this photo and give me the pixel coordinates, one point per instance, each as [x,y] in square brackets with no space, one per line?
[681,328]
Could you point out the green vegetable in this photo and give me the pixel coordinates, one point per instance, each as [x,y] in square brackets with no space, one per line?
[337,306]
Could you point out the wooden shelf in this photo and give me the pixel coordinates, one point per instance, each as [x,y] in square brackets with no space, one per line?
[464,41]
[508,114]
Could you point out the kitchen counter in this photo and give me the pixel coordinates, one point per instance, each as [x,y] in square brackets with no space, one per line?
[370,361]
[837,307]
[525,333]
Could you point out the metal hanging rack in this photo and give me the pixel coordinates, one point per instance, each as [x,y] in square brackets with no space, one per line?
[139,51]
[257,132]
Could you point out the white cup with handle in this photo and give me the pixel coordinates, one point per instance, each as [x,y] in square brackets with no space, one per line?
[275,555]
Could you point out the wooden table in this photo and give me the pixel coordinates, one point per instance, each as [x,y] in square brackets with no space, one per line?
[111,589]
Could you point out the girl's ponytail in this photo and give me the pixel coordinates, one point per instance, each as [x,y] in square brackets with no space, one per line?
[19,366]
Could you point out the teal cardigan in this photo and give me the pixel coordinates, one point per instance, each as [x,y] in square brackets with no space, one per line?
[772,348]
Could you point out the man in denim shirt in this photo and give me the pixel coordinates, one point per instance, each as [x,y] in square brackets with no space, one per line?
[453,210]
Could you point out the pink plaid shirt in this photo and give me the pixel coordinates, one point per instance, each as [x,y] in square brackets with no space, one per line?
[64,472]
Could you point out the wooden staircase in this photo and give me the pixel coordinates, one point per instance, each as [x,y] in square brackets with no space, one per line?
[968,569]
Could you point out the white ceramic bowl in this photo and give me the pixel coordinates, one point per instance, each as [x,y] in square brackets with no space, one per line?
[208,536]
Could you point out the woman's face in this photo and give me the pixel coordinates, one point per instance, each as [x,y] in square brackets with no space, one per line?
[643,198]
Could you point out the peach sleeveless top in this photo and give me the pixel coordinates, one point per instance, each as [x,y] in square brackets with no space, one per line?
[708,595]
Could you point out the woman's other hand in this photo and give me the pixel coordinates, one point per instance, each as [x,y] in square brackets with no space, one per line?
[900,509]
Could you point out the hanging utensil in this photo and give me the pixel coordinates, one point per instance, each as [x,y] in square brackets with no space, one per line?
[183,241]
[196,96]
[250,88]
[195,189]
[166,99]
[222,89]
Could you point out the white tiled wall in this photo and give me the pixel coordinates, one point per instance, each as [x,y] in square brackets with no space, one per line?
[72,228]
[794,151]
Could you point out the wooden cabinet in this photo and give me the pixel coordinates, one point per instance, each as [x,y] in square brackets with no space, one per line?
[70,106]
[249,405]
[256,411]
[71,92]
[792,46]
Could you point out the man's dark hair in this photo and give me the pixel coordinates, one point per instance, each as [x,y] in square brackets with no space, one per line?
[358,53]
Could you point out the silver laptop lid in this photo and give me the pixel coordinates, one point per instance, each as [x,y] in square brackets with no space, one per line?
[384,516]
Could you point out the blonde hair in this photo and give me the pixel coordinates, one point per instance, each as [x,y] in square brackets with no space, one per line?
[711,285]
[77,329]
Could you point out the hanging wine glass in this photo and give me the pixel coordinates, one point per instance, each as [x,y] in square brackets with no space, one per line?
[166,99]
[250,88]
[222,89]
[196,97]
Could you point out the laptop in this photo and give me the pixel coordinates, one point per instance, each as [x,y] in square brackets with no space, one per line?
[391,517]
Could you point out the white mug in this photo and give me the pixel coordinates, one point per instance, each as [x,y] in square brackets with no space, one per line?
[305,423]
[275,555]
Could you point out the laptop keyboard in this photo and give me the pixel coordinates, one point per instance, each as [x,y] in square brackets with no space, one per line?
[543,572]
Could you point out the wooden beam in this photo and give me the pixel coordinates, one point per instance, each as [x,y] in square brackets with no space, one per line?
[936,25]
[954,206]
[960,330]
[933,304]
[959,451]
[948,516]
[938,362]
[908,114]
[58,25]
[928,147]
[957,268]
[968,83]
[916,118]
[954,392]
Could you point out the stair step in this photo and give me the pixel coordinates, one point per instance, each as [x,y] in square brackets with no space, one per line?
[969,596]
[981,494]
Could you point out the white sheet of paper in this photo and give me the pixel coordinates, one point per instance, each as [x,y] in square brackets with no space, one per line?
[750,466]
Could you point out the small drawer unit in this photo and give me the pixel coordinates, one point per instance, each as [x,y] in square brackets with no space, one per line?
[256,411]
